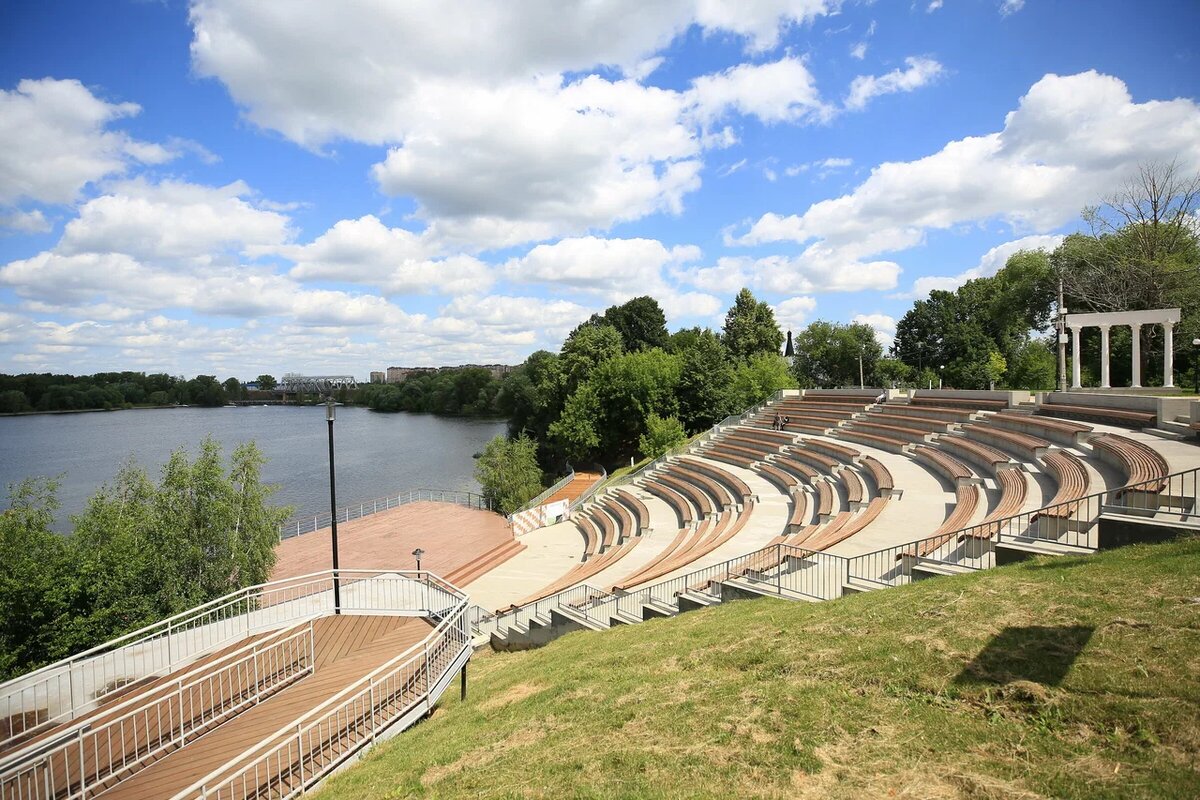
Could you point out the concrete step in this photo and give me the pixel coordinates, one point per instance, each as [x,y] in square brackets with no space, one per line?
[623,618]
[656,609]
[563,616]
[923,569]
[859,586]
[690,601]
[1010,551]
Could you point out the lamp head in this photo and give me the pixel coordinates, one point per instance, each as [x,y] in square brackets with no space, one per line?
[418,553]
[330,410]
[1196,342]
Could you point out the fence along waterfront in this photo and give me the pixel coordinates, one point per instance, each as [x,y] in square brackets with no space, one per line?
[302,525]
[788,570]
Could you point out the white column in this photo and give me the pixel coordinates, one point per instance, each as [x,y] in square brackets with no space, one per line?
[1104,381]
[1075,357]
[1136,329]
[1168,354]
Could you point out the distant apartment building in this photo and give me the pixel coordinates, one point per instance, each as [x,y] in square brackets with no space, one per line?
[378,377]
[401,374]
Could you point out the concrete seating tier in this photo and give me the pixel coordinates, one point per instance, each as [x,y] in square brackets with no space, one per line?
[729,526]
[880,474]
[702,485]
[606,524]
[852,486]
[963,403]
[798,423]
[891,415]
[626,527]
[735,485]
[949,415]
[700,501]
[1065,433]
[799,515]
[591,536]
[820,460]
[825,497]
[944,464]
[829,537]
[894,430]
[733,455]
[1124,417]
[851,398]
[786,482]
[755,443]
[846,455]
[879,440]
[813,410]
[777,438]
[636,507]
[1029,448]
[983,455]
[1139,462]
[1013,488]
[1072,479]
[798,468]
[966,501]
[677,502]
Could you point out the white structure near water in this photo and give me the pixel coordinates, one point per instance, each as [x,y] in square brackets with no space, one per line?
[1166,317]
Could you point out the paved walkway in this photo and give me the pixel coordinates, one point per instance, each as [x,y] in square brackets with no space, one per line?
[578,485]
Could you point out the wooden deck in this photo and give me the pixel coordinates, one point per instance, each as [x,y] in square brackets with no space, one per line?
[347,647]
[451,536]
[578,485]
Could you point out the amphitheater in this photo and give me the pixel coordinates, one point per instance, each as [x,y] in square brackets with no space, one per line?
[809,497]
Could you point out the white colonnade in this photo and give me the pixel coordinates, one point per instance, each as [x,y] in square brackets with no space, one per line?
[1166,317]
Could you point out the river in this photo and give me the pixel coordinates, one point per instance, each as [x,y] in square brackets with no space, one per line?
[376,454]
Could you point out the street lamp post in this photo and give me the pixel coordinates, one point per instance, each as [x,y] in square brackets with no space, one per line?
[330,413]
[1060,326]
[417,555]
[1196,365]
[941,370]
[861,383]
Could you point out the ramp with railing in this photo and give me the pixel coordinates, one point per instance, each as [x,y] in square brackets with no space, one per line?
[225,678]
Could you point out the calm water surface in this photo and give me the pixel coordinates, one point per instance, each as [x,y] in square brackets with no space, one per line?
[376,454]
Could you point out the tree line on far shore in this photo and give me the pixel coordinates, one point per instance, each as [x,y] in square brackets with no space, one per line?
[106,391]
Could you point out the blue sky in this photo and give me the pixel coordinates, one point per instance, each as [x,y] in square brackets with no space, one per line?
[234,188]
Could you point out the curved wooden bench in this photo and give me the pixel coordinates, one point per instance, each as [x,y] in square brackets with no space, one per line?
[1125,417]
[808,424]
[786,482]
[759,437]
[966,500]
[636,507]
[626,528]
[815,458]
[731,456]
[1030,448]
[740,448]
[959,402]
[797,468]
[702,487]
[824,498]
[943,463]
[591,536]
[852,485]
[839,451]
[930,424]
[606,524]
[732,483]
[880,441]
[1056,430]
[983,455]
[684,538]
[760,448]
[893,430]
[1072,479]
[797,519]
[682,508]
[880,474]
[1013,489]
[826,539]
[1140,463]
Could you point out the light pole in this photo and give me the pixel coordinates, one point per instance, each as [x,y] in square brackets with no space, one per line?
[861,349]
[330,413]
[941,369]
[417,555]
[1196,365]
[1060,325]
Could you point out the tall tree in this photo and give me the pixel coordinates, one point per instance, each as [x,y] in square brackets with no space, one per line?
[828,353]
[705,382]
[640,322]
[750,327]
[586,347]
[267,382]
[508,472]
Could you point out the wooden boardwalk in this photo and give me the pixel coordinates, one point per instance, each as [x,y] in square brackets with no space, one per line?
[451,536]
[347,648]
[578,485]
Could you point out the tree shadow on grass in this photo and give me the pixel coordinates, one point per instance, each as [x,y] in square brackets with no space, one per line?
[1038,653]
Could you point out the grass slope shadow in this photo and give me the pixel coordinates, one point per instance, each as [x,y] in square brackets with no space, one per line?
[1037,653]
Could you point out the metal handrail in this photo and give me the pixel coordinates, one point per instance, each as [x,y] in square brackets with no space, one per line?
[537,501]
[591,490]
[363,698]
[165,644]
[301,525]
[88,754]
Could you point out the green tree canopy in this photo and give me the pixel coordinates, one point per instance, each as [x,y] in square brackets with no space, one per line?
[750,327]
[759,377]
[507,470]
[827,354]
[267,382]
[706,387]
[585,348]
[640,322]
[661,435]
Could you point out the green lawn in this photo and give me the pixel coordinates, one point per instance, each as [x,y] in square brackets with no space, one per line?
[1071,677]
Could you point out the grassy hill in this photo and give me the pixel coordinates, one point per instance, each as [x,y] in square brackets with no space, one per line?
[1070,677]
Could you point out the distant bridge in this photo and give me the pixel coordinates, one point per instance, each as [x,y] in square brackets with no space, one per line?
[315,384]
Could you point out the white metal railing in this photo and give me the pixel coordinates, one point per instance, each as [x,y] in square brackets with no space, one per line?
[77,762]
[398,693]
[61,691]
[307,524]
[537,501]
[482,622]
